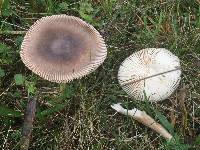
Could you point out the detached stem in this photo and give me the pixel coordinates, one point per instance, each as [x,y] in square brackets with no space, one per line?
[28,123]
[143,118]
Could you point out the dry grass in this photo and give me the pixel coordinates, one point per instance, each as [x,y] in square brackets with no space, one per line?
[87,120]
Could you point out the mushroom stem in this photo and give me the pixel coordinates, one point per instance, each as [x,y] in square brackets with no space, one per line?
[142,117]
[28,123]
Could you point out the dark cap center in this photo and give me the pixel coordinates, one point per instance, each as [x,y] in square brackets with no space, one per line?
[61,47]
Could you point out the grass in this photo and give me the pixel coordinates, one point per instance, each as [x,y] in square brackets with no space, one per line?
[81,117]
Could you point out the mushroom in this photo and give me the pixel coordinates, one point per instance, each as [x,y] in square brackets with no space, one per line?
[59,48]
[153,73]
[153,70]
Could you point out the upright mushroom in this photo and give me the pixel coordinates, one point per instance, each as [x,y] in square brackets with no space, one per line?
[61,48]
[153,71]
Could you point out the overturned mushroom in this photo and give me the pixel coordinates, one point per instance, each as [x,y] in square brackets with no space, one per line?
[154,72]
[60,48]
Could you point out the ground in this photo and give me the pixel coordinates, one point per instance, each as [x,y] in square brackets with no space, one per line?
[79,116]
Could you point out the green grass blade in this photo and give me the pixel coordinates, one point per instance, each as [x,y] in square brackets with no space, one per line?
[163,120]
[8,112]
[48,112]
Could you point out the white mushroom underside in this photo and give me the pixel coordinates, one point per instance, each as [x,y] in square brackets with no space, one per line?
[138,74]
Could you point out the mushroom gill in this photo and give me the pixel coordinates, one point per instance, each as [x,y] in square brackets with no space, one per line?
[155,71]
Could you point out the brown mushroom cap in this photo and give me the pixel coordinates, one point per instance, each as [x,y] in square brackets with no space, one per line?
[60,48]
